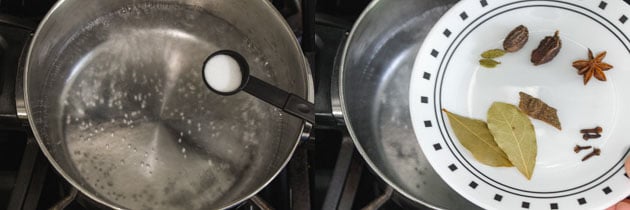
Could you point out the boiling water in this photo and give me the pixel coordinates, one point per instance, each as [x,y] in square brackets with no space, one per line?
[140,125]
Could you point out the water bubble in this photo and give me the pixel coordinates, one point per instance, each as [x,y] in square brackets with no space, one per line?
[189,121]
[179,140]
[181,133]
[129,146]
[183,150]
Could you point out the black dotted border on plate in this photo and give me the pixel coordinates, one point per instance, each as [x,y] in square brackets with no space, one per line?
[581,201]
[447,33]
[437,147]
[473,185]
[498,197]
[463,15]
[602,5]
[607,190]
[452,167]
[435,53]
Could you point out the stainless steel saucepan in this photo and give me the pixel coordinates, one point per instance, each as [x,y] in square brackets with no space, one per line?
[115,97]
[374,89]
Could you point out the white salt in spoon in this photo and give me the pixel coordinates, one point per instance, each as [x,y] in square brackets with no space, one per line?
[226,73]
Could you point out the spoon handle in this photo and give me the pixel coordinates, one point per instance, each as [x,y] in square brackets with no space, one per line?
[277,97]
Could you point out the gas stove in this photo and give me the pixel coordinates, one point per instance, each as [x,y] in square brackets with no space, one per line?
[326,172]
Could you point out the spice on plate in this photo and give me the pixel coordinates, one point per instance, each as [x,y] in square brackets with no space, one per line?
[588,136]
[515,135]
[591,133]
[596,152]
[547,49]
[594,66]
[592,130]
[493,53]
[538,109]
[475,137]
[579,148]
[516,39]
[489,63]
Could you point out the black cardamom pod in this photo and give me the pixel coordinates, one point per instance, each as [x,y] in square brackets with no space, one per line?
[516,39]
[547,49]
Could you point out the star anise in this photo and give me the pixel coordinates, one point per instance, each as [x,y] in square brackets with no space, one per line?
[594,66]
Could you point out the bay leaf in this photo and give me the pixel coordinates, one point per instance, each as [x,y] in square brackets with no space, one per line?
[514,133]
[475,136]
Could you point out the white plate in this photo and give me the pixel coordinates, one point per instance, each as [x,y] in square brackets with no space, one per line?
[447,75]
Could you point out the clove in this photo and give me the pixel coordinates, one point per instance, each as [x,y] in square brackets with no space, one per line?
[579,148]
[592,130]
[596,152]
[588,136]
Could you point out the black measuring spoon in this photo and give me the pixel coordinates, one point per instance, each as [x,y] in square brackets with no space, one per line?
[226,73]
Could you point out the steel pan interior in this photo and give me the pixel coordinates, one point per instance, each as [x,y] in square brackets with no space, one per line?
[116,99]
[374,85]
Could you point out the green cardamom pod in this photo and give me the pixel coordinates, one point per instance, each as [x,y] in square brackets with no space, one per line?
[489,63]
[494,53]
